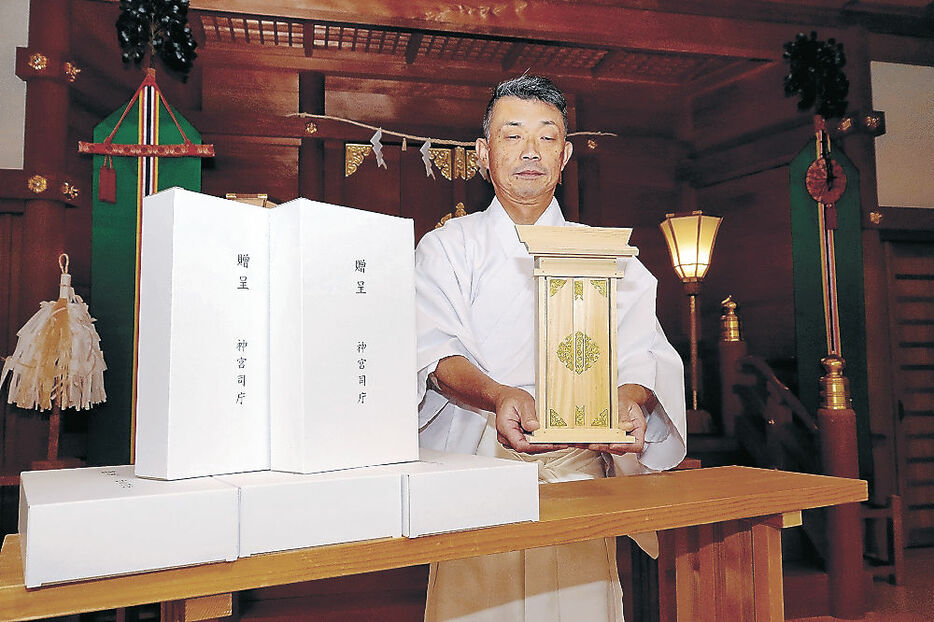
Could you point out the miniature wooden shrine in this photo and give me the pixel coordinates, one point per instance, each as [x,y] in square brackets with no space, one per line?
[577,270]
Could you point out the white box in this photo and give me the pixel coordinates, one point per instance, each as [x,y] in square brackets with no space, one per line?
[199,332]
[93,522]
[452,492]
[273,338]
[281,511]
[342,369]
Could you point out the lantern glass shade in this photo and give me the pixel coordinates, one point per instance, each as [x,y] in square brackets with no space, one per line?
[690,238]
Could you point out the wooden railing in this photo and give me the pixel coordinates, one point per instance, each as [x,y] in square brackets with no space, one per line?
[774,427]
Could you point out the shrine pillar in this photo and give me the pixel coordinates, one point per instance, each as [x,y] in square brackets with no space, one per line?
[42,65]
[311,152]
[837,422]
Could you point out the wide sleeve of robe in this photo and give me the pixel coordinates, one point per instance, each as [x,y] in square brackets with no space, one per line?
[646,358]
[442,312]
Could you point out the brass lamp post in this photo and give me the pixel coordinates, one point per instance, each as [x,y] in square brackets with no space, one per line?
[691,237]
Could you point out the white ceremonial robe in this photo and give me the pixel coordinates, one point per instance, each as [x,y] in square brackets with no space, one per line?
[475,297]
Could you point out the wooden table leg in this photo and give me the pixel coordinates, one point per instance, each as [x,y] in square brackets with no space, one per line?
[725,571]
[767,570]
[197,609]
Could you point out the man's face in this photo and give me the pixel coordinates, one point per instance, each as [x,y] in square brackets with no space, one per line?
[526,150]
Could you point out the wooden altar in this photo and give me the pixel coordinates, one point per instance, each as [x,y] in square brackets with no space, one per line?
[720,532]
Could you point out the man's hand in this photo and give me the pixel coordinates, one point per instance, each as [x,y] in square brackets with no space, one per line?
[458,379]
[631,398]
[635,425]
[515,416]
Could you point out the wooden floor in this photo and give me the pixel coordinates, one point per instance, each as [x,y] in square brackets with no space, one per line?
[913,601]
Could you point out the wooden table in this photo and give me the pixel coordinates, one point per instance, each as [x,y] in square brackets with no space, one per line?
[721,547]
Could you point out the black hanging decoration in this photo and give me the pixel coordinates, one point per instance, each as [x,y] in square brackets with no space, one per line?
[158,27]
[816,74]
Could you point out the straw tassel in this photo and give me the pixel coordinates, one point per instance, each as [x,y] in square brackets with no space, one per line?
[58,355]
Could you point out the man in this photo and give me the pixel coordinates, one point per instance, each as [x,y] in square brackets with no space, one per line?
[475,299]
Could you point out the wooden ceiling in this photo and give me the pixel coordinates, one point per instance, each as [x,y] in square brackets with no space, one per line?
[688,45]
[627,65]
[362,45]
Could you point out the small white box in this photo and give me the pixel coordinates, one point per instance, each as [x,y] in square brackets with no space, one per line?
[93,522]
[281,511]
[453,492]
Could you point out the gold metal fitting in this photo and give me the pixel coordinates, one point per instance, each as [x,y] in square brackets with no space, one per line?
[38,61]
[834,387]
[730,329]
[71,71]
[591,144]
[37,184]
[310,128]
[875,217]
[353,157]
[70,191]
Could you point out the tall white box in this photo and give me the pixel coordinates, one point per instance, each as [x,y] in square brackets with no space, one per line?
[281,511]
[276,338]
[202,375]
[342,338]
[453,492]
[92,522]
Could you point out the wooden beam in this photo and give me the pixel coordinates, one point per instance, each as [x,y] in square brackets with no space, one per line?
[383,66]
[588,23]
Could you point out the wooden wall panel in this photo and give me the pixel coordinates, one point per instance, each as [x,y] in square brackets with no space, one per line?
[249,90]
[375,188]
[752,260]
[408,106]
[252,165]
[728,113]
[635,185]
[23,433]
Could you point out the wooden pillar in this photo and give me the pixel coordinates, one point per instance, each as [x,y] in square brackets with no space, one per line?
[568,192]
[837,422]
[588,179]
[311,152]
[47,101]
[41,234]
[860,148]
[844,522]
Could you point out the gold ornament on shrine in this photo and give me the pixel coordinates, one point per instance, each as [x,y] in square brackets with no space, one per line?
[38,61]
[577,271]
[71,71]
[37,184]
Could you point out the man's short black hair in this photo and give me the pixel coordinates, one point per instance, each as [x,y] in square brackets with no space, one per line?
[527,87]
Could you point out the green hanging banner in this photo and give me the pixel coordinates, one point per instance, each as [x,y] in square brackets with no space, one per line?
[141,148]
[811,334]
